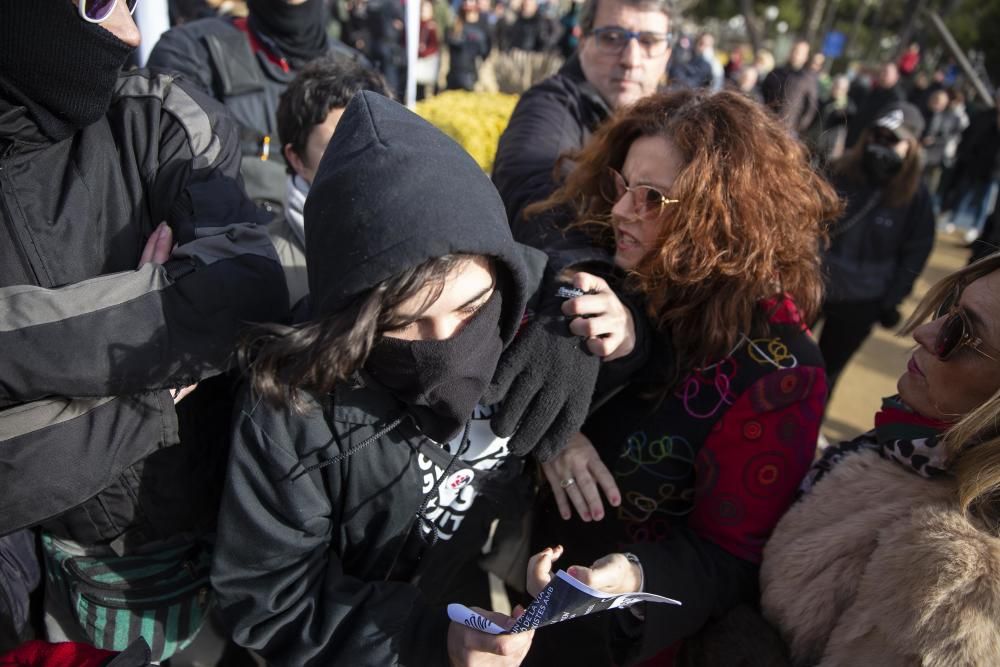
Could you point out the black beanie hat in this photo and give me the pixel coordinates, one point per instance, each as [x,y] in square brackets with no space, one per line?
[392,192]
[60,67]
[902,119]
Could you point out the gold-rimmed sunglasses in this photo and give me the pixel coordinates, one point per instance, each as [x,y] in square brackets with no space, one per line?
[647,202]
[957,331]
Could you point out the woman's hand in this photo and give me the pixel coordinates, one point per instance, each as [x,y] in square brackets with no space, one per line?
[468,647]
[159,245]
[601,318]
[613,573]
[575,475]
[540,569]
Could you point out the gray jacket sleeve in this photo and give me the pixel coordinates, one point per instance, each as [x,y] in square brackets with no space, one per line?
[85,367]
[279,577]
[157,326]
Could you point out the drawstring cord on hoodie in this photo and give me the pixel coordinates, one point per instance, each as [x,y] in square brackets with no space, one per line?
[353,450]
[419,516]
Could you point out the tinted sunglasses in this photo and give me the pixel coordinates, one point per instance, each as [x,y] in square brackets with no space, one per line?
[647,202]
[97,11]
[956,331]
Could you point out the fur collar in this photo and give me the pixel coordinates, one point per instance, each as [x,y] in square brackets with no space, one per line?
[877,566]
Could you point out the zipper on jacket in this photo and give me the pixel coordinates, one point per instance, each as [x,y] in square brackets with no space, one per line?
[5,213]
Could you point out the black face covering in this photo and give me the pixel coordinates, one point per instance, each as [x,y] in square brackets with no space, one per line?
[881,163]
[441,381]
[62,68]
[297,30]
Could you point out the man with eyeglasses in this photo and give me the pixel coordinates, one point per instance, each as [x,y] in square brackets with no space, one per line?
[622,57]
[129,261]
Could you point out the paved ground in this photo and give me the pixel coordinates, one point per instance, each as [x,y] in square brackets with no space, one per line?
[874,370]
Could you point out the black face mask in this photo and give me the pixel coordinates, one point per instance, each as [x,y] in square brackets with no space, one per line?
[441,381]
[881,163]
[297,30]
[62,68]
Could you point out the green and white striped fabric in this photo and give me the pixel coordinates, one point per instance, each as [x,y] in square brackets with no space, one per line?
[163,597]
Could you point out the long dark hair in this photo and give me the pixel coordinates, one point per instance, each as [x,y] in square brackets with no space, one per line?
[898,191]
[283,361]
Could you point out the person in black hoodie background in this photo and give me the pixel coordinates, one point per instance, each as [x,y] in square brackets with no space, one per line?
[881,243]
[355,465]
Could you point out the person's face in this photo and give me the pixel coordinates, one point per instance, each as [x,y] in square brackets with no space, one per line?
[706,43]
[888,76]
[748,79]
[799,55]
[120,24]
[652,161]
[949,390]
[886,137]
[624,77]
[817,62]
[426,11]
[466,289]
[840,87]
[305,165]
[938,102]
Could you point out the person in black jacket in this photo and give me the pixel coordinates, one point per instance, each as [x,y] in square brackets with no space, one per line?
[246,63]
[129,261]
[791,90]
[468,45]
[622,57]
[881,243]
[358,484]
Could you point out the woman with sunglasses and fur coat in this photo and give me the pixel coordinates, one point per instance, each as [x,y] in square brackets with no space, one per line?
[892,554]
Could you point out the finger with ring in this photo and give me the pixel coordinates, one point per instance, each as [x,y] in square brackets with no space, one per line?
[568,482]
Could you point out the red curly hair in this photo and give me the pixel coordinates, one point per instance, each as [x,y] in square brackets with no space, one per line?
[750,223]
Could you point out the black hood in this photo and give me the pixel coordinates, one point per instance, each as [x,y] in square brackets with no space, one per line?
[391,192]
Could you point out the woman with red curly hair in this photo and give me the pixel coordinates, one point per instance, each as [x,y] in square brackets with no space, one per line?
[715,220]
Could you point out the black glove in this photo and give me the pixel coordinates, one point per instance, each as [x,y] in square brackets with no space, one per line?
[889,317]
[544,383]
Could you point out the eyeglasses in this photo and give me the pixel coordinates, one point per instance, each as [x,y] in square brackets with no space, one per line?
[956,332]
[612,40]
[98,11]
[647,202]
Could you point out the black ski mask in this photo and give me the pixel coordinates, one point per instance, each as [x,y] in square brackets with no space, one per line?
[297,30]
[60,67]
[881,163]
[441,381]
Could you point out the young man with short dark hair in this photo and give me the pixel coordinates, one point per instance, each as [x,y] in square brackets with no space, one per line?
[308,113]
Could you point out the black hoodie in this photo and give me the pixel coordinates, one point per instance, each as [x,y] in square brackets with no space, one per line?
[318,565]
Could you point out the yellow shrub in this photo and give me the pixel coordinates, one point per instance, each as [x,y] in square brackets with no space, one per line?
[474,120]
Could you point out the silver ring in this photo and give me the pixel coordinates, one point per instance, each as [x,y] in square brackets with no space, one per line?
[568,482]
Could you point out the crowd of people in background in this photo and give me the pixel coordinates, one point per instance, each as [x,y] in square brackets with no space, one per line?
[282,366]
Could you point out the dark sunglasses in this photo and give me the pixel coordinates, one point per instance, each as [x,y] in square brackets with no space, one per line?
[885,137]
[956,331]
[647,202]
[97,11]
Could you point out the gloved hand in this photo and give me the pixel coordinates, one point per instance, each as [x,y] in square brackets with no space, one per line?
[544,384]
[889,317]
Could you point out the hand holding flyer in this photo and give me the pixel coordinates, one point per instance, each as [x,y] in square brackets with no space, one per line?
[564,598]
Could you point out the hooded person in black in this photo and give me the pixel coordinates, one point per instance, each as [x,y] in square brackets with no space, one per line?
[346,516]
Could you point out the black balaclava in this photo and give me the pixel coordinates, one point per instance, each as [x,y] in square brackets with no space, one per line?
[297,30]
[60,67]
[440,381]
[881,163]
